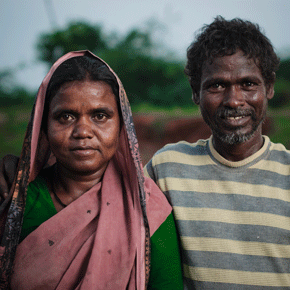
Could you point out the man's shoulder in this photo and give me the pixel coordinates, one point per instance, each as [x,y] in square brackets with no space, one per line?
[182,149]
[279,152]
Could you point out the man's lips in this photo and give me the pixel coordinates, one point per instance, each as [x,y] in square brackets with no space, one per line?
[236,121]
[235,118]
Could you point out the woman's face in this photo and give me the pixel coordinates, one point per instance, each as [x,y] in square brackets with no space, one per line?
[83,126]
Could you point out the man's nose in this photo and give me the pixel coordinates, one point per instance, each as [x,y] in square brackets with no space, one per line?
[233,97]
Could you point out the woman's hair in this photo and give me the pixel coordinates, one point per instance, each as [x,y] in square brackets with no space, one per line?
[224,37]
[80,68]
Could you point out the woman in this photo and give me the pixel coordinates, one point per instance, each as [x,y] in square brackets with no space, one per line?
[90,214]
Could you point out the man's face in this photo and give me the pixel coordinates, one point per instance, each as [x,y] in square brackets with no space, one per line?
[233,98]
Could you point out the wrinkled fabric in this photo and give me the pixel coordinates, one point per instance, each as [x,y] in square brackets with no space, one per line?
[102,239]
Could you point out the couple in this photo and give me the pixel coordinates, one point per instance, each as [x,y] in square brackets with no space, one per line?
[230,194]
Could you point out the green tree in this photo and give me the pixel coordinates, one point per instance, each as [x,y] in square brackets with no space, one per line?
[76,36]
[282,86]
[148,71]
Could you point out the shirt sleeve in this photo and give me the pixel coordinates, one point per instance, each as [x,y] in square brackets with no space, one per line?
[166,270]
[148,170]
[39,207]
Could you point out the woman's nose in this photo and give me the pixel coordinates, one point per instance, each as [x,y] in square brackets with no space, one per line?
[233,97]
[83,129]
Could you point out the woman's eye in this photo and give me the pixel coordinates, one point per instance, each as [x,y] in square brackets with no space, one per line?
[66,117]
[100,116]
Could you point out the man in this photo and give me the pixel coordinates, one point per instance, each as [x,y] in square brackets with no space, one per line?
[230,193]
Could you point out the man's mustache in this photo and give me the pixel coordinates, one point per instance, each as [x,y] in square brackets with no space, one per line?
[228,112]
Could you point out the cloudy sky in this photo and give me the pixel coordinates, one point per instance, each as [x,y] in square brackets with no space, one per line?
[22,22]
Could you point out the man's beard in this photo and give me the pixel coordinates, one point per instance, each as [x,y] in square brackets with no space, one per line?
[236,136]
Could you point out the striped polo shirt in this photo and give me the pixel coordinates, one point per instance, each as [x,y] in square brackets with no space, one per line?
[233,218]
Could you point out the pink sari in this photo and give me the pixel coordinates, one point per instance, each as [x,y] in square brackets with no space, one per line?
[102,239]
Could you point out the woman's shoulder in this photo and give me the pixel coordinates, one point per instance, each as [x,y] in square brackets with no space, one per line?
[158,207]
[38,193]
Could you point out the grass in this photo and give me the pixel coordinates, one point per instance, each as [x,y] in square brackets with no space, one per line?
[281,131]
[13,123]
[167,112]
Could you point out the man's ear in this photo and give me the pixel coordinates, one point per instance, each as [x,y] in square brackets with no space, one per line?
[270,92]
[270,88]
[195,98]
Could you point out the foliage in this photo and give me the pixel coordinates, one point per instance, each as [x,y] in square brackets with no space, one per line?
[284,70]
[77,36]
[148,72]
[282,86]
[12,94]
[13,123]
[282,93]
[281,131]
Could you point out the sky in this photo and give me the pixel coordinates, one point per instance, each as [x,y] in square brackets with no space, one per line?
[22,22]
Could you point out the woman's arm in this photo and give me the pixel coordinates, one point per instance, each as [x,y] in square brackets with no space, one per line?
[166,270]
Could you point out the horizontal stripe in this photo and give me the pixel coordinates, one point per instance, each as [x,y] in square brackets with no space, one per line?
[235,261]
[216,173]
[190,284]
[235,247]
[230,202]
[273,166]
[251,233]
[182,158]
[223,187]
[237,277]
[232,217]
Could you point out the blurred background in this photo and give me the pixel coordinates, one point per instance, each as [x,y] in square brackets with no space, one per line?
[145,42]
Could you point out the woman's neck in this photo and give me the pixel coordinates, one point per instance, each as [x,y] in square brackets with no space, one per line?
[67,186]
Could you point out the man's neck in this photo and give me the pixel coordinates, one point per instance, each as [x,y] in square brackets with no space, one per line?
[241,151]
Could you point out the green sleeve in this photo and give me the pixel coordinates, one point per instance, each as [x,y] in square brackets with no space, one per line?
[165,258]
[39,207]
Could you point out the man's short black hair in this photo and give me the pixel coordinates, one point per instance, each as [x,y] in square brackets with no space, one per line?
[223,37]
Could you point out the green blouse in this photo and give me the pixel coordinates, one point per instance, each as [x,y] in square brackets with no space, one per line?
[165,260]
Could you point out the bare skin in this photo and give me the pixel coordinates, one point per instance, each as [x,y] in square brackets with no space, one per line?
[83,133]
[233,100]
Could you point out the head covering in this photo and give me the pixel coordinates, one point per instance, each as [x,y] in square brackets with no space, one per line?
[145,210]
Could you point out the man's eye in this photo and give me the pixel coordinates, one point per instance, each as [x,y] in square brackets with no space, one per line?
[249,85]
[216,86]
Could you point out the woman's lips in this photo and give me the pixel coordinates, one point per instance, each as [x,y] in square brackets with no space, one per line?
[83,151]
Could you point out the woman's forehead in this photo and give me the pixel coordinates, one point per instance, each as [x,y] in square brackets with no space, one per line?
[78,91]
